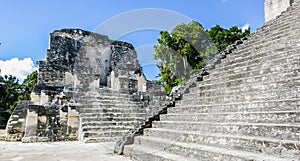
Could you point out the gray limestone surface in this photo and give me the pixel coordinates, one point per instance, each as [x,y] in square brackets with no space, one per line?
[58,151]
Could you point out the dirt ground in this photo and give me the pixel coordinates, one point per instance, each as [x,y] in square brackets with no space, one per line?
[58,151]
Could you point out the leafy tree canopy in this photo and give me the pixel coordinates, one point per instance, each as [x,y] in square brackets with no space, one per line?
[11,92]
[224,37]
[187,48]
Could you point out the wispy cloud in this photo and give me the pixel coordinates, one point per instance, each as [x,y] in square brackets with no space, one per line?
[18,68]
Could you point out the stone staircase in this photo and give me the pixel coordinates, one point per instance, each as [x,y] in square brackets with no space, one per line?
[106,116]
[247,108]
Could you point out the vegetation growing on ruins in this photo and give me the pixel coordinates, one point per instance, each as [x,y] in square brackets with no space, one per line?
[224,37]
[11,92]
[188,47]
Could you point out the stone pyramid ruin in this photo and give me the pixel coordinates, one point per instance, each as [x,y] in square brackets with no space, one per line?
[244,105]
[90,88]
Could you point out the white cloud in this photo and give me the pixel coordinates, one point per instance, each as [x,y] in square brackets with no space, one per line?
[18,68]
[245,27]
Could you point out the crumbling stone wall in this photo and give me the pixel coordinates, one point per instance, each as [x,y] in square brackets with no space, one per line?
[77,61]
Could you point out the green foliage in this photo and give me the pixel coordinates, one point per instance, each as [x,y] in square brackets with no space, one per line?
[187,49]
[225,37]
[28,85]
[182,52]
[11,92]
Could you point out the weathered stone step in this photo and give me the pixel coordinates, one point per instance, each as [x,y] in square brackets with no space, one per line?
[117,119]
[109,102]
[254,71]
[202,152]
[106,128]
[276,131]
[279,148]
[248,79]
[240,88]
[260,60]
[241,54]
[110,123]
[109,105]
[255,84]
[256,38]
[254,106]
[142,153]
[280,72]
[248,117]
[112,110]
[93,115]
[101,139]
[108,98]
[224,98]
[250,58]
[245,89]
[108,133]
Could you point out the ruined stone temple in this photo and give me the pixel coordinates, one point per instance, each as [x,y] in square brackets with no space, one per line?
[89,88]
[244,105]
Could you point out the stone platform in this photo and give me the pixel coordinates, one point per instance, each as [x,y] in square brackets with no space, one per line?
[59,151]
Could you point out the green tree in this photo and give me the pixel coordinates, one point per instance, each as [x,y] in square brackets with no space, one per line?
[188,47]
[182,52]
[11,92]
[224,37]
[28,85]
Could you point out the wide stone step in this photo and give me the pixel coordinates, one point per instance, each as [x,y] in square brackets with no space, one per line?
[276,131]
[223,97]
[90,134]
[101,139]
[104,99]
[246,90]
[95,115]
[264,60]
[251,56]
[110,105]
[112,110]
[248,117]
[117,119]
[142,153]
[110,123]
[272,73]
[288,87]
[279,148]
[254,106]
[243,83]
[257,72]
[202,152]
[266,75]
[241,54]
[106,128]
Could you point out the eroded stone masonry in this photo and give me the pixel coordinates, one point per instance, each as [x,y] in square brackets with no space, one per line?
[87,85]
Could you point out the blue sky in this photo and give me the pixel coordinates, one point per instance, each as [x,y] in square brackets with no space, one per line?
[25,25]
